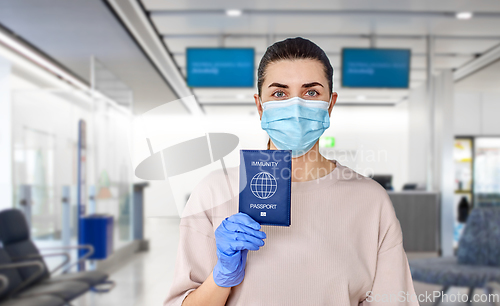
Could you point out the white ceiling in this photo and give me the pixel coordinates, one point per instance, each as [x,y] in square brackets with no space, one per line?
[485,80]
[71,32]
[414,5]
[400,24]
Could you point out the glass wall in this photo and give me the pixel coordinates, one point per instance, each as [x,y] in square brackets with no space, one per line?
[45,137]
[487,171]
[113,168]
[45,157]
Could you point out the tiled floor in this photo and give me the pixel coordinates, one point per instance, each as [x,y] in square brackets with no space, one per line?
[146,279]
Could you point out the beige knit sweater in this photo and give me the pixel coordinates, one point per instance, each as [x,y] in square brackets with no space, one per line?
[343,243]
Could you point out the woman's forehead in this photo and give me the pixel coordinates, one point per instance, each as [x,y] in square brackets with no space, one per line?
[291,72]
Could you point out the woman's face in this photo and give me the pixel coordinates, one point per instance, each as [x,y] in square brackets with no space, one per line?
[304,78]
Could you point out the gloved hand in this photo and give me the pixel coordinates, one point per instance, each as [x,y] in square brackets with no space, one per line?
[234,237]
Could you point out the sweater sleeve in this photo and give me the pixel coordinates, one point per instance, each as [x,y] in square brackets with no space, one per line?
[196,257]
[392,284]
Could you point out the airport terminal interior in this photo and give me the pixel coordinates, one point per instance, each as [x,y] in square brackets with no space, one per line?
[94,94]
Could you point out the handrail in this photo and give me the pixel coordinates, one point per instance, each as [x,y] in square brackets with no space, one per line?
[41,256]
[83,258]
[30,279]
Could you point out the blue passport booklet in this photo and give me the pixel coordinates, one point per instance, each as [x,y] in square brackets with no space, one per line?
[265,185]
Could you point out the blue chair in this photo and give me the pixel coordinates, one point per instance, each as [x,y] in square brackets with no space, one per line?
[478,256]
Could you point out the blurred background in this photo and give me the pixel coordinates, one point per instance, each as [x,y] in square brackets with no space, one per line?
[89,89]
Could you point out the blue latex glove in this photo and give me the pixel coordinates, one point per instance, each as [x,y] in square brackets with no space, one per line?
[234,237]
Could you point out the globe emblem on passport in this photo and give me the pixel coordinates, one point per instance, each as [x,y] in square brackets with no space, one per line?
[263,185]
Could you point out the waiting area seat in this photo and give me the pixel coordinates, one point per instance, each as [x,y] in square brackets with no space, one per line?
[478,256]
[29,280]
[22,292]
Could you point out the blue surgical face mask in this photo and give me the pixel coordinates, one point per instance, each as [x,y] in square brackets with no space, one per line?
[295,124]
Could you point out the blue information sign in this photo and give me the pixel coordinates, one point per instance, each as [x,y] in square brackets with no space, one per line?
[220,67]
[375,68]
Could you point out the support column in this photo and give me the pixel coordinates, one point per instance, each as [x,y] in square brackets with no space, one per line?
[431,141]
[6,186]
[431,147]
[443,173]
[430,114]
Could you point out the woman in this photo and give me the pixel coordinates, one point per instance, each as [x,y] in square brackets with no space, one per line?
[344,246]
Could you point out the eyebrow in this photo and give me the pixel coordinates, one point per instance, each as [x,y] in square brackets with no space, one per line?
[307,85]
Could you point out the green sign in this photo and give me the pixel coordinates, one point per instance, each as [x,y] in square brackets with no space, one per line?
[327,142]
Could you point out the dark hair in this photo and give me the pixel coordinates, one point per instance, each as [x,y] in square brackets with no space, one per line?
[290,49]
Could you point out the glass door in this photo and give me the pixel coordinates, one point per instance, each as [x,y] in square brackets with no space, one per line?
[463,160]
[38,151]
[487,171]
